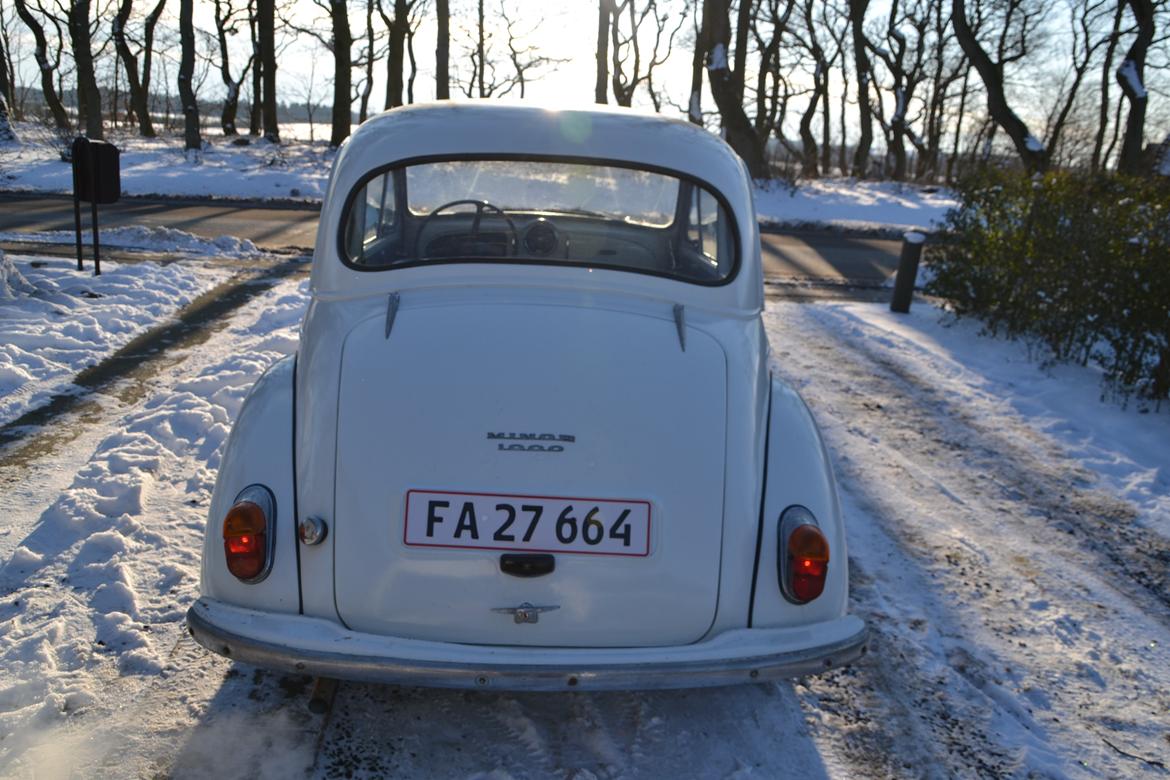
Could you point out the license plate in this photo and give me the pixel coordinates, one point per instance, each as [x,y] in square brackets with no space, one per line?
[498,521]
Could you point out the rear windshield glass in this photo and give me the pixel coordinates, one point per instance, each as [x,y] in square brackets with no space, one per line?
[539,212]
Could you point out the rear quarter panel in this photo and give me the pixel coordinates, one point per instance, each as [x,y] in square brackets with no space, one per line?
[798,472]
[258,451]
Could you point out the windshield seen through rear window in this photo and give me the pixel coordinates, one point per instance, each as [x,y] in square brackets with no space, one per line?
[527,211]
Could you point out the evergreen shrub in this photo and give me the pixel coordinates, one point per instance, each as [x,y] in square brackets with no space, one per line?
[1078,262]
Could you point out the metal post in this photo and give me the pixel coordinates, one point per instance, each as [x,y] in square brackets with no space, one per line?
[97,258]
[77,224]
[912,244]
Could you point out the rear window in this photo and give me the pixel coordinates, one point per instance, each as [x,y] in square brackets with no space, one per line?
[543,212]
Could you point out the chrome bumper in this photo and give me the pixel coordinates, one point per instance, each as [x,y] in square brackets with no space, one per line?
[322,648]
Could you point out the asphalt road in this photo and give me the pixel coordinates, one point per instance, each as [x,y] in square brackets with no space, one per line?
[788,257]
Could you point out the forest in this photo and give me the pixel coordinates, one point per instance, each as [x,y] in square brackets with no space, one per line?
[909,90]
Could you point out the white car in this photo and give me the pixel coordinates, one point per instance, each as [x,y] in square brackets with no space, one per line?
[530,440]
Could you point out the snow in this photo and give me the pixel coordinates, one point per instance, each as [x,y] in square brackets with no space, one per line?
[997,517]
[57,321]
[300,170]
[1128,73]
[849,204]
[153,239]
[159,166]
[718,59]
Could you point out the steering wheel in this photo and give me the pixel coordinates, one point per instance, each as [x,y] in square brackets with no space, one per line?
[480,207]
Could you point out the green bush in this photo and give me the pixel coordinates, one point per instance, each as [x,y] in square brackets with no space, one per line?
[1078,262]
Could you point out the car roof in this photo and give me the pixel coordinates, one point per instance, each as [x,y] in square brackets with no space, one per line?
[487,128]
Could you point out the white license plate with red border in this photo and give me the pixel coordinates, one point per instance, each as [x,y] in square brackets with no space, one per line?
[510,522]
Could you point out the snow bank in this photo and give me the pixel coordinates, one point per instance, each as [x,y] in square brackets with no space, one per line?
[12,282]
[123,541]
[1125,449]
[156,166]
[155,239]
[58,321]
[848,204]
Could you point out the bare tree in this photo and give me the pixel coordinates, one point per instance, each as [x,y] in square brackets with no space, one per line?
[46,67]
[904,60]
[227,19]
[266,38]
[630,68]
[1031,152]
[254,112]
[1131,76]
[486,77]
[89,97]
[7,134]
[770,29]
[727,85]
[369,59]
[443,51]
[137,85]
[7,67]
[193,143]
[601,84]
[864,72]
[1097,162]
[1085,16]
[398,26]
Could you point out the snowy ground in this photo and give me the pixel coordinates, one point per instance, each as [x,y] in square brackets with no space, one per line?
[850,205]
[299,170]
[1009,550]
[294,171]
[57,321]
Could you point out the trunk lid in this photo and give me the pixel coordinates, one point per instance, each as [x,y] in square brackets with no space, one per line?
[453,402]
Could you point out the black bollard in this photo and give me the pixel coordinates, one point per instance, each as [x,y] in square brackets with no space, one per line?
[912,244]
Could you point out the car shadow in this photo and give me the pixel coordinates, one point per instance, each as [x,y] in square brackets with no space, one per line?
[394,731]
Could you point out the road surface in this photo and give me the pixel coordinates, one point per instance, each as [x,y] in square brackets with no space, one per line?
[787,256]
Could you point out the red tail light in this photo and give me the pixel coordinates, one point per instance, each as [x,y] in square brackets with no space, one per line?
[803,556]
[247,534]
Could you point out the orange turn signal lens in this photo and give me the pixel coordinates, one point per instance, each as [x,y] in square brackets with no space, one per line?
[808,563]
[245,540]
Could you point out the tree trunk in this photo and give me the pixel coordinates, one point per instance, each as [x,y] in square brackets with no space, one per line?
[808,142]
[1131,76]
[600,84]
[1032,153]
[728,90]
[958,127]
[6,81]
[191,138]
[231,98]
[89,97]
[368,85]
[1103,112]
[266,18]
[695,102]
[41,54]
[743,22]
[861,66]
[826,126]
[254,121]
[138,98]
[6,132]
[414,65]
[443,51]
[481,51]
[342,73]
[397,54]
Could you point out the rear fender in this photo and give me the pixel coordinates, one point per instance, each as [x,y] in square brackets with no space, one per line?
[798,472]
[259,450]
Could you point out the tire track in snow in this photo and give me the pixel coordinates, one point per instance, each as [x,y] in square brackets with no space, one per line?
[1011,630]
[95,595]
